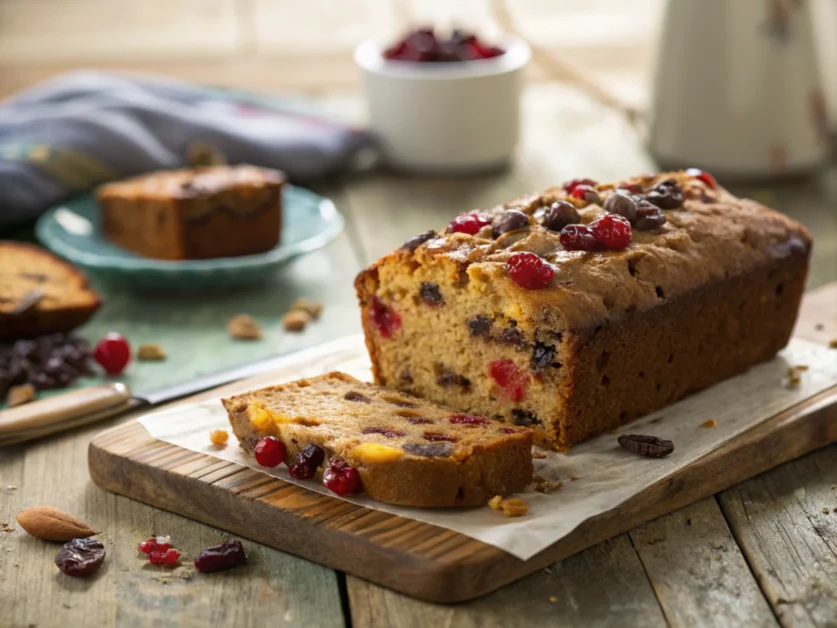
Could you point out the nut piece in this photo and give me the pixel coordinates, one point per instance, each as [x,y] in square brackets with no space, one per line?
[296,320]
[314,308]
[50,524]
[513,507]
[18,395]
[150,351]
[244,327]
[219,437]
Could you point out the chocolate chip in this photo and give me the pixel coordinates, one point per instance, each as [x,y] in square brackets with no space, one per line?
[430,294]
[436,450]
[509,220]
[649,218]
[416,241]
[666,195]
[648,446]
[559,215]
[524,418]
[512,337]
[479,326]
[356,396]
[542,356]
[622,204]
[449,378]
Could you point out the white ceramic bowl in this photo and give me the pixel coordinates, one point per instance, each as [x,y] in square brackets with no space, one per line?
[444,117]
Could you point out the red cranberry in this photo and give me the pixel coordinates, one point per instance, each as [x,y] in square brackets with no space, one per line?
[577,238]
[633,188]
[170,557]
[385,319]
[529,271]
[512,380]
[158,544]
[340,478]
[612,231]
[222,556]
[383,431]
[467,419]
[113,353]
[307,463]
[572,184]
[467,223]
[436,437]
[270,451]
[707,178]
[156,557]
[507,430]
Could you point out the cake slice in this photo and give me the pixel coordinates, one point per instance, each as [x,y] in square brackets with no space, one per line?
[40,293]
[217,211]
[407,451]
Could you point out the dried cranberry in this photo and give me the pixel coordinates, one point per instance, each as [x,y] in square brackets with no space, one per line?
[436,437]
[430,294]
[509,220]
[113,353]
[707,178]
[583,191]
[340,478]
[633,188]
[385,319]
[512,380]
[578,238]
[80,557]
[171,557]
[529,271]
[572,184]
[559,215]
[157,543]
[467,419]
[612,231]
[507,430]
[270,451]
[467,223]
[222,556]
[383,431]
[307,463]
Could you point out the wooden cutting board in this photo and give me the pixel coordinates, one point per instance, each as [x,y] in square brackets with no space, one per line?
[416,558]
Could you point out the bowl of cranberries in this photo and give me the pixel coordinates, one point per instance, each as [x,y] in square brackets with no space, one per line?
[444,102]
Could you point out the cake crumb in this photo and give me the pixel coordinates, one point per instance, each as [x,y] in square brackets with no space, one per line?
[219,437]
[314,308]
[552,599]
[538,455]
[574,478]
[819,326]
[513,507]
[19,395]
[296,320]
[794,378]
[150,351]
[801,367]
[709,423]
[542,485]
[657,420]
[244,327]
[826,510]
[833,343]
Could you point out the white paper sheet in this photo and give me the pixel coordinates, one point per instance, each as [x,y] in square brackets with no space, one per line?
[607,474]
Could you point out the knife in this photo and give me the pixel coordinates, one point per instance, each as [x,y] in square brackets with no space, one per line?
[110,399]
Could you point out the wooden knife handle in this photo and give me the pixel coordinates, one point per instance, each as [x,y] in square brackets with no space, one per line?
[62,411]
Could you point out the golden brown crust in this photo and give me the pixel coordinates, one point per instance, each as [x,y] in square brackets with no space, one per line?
[218,211]
[406,450]
[67,300]
[716,289]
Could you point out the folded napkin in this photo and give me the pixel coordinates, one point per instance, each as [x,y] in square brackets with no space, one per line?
[81,129]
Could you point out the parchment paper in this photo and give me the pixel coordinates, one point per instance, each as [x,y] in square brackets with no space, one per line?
[606,474]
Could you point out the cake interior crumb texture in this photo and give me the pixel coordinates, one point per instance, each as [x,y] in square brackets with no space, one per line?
[613,336]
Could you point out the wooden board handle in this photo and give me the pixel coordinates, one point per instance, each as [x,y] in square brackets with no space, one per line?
[53,414]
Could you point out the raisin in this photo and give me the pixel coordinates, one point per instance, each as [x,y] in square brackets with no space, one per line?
[542,356]
[413,243]
[436,437]
[418,420]
[307,463]
[559,215]
[80,557]
[356,396]
[436,450]
[383,431]
[479,326]
[648,446]
[513,337]
[449,378]
[430,294]
[509,220]
[524,418]
[222,556]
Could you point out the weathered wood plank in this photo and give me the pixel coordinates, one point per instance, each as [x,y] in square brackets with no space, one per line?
[602,586]
[785,521]
[697,570]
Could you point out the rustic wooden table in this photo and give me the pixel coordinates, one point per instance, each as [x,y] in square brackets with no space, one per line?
[762,553]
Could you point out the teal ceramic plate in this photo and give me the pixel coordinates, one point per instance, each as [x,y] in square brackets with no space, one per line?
[72,231]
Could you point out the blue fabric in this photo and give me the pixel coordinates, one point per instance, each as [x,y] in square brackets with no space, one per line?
[76,131]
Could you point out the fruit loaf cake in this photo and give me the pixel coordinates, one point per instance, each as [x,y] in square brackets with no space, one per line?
[404,450]
[589,305]
[217,211]
[40,293]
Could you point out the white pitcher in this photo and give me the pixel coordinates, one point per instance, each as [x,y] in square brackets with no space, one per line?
[738,90]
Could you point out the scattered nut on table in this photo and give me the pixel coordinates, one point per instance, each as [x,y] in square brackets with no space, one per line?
[296,320]
[150,351]
[314,308]
[512,507]
[18,395]
[244,327]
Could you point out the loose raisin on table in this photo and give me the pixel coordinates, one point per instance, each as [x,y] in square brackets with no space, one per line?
[648,446]
[80,557]
[222,556]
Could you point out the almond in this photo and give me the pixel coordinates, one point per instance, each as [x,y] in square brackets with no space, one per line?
[51,524]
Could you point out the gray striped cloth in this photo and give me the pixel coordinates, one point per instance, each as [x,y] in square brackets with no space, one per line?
[69,134]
